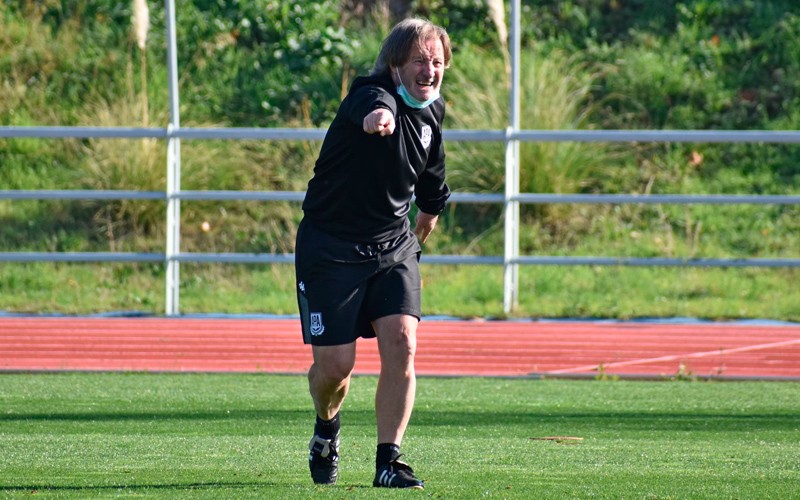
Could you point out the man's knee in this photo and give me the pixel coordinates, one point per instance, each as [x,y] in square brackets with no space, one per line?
[397,336]
[333,363]
[333,370]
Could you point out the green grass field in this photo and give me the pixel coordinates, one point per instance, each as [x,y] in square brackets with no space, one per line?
[244,436]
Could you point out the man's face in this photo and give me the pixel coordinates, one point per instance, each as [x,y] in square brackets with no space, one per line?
[423,72]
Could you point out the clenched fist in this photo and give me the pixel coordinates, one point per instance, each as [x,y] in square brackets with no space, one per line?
[379,121]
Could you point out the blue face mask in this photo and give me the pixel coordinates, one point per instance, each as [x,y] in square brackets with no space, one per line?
[410,100]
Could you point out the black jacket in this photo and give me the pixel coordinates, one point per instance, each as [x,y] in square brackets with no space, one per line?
[363,183]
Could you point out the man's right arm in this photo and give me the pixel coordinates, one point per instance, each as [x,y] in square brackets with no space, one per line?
[379,121]
[372,108]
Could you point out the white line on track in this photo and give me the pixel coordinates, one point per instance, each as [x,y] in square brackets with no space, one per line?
[676,357]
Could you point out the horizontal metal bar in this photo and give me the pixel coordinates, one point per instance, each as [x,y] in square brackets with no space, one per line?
[464,135]
[80,194]
[698,136]
[80,257]
[236,258]
[84,132]
[242,195]
[58,132]
[90,194]
[683,199]
[298,196]
[306,134]
[462,259]
[476,198]
[242,133]
[286,258]
[654,262]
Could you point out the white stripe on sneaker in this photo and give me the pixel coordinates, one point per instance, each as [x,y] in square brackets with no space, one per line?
[386,478]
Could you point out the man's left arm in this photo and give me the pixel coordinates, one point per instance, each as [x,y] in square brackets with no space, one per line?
[431,190]
[432,193]
[424,225]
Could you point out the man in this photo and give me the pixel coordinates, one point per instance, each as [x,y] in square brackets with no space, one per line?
[357,259]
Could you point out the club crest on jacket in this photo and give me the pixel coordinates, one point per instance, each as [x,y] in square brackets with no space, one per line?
[427,134]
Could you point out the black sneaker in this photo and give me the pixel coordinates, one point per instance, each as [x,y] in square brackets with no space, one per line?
[397,474]
[323,459]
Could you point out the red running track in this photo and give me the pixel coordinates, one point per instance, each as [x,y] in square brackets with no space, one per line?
[448,348]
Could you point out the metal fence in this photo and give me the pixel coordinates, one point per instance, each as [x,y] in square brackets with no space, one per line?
[511,199]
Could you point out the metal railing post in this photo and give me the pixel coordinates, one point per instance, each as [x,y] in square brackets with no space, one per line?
[173,235]
[511,248]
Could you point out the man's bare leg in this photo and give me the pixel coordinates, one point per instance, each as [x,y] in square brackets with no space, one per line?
[329,377]
[394,399]
[397,385]
[328,382]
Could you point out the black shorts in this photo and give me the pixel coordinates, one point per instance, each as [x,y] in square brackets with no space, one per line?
[343,286]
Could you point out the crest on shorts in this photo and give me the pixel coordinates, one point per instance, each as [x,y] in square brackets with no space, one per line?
[427,133]
[316,324]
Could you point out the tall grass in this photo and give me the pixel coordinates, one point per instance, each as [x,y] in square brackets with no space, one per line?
[124,164]
[23,99]
[556,95]
[556,92]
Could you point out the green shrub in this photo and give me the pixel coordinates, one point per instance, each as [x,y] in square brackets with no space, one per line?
[259,63]
[556,95]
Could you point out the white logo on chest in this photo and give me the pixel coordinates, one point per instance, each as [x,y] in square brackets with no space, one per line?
[426,136]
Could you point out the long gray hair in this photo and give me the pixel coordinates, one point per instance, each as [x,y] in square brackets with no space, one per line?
[397,45]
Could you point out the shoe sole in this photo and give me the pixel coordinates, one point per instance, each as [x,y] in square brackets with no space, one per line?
[416,487]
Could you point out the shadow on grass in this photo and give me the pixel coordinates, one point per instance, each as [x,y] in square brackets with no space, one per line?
[621,420]
[155,416]
[629,420]
[34,488]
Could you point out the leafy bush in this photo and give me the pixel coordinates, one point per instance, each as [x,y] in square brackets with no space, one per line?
[466,19]
[263,62]
[41,53]
[726,65]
